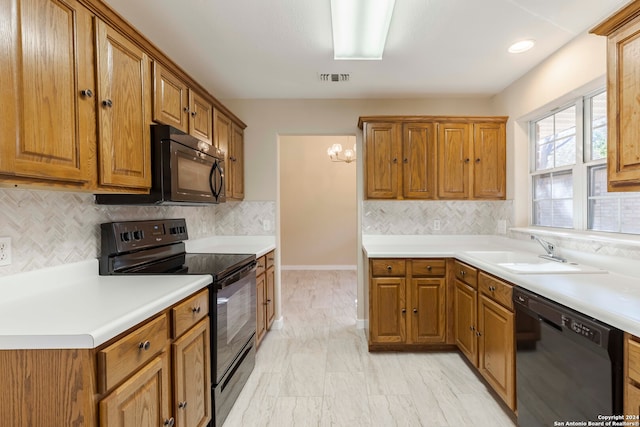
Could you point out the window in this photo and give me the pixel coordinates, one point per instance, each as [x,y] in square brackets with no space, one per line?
[569,171]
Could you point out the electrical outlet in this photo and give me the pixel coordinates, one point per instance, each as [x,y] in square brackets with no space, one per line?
[5,251]
[436,224]
[266,225]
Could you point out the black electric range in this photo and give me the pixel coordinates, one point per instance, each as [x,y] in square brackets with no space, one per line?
[157,247]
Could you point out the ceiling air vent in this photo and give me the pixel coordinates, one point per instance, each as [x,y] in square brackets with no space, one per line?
[326,77]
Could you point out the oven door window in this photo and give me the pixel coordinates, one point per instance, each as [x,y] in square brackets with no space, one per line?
[190,176]
[236,317]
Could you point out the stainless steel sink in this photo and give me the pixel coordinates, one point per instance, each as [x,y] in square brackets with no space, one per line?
[527,263]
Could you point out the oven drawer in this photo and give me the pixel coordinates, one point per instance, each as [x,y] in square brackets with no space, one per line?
[120,359]
[189,312]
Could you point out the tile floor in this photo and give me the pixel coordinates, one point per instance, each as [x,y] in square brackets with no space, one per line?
[317,371]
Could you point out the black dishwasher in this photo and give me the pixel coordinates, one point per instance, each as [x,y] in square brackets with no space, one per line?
[568,365]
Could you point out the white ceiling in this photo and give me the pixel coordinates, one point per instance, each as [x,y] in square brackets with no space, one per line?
[277,48]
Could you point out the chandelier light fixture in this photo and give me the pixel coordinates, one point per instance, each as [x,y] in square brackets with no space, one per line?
[336,155]
[360,28]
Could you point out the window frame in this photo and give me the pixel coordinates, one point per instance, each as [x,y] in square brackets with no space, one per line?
[579,170]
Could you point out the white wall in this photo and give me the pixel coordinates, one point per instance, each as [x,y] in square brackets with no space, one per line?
[577,67]
[318,215]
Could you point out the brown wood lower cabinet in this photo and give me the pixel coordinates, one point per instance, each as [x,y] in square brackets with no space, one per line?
[484,328]
[407,302]
[265,294]
[146,377]
[632,376]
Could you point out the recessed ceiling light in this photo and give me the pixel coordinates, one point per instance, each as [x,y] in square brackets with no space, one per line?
[521,46]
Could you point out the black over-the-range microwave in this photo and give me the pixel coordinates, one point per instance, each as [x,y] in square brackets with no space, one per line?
[184,171]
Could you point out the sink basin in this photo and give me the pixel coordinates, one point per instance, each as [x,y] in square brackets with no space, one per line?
[528,263]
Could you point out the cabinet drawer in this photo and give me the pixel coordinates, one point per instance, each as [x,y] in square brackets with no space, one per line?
[189,312]
[428,267]
[466,274]
[262,265]
[633,349]
[122,358]
[271,259]
[495,289]
[387,267]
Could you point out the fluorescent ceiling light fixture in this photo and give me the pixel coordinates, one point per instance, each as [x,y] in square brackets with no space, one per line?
[521,46]
[360,28]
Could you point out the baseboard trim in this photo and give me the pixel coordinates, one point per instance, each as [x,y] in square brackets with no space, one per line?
[319,267]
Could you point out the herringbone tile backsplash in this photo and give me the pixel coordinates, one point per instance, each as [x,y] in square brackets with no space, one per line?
[49,228]
[417,217]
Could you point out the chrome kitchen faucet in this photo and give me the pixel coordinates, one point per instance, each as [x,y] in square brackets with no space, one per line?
[549,249]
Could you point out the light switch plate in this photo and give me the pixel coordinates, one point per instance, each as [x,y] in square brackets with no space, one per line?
[5,251]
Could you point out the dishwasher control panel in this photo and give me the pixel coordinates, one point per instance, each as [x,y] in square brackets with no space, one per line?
[581,328]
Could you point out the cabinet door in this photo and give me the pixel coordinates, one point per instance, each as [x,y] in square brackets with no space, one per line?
[465,305]
[496,361]
[489,161]
[387,316]
[632,400]
[428,310]
[142,400]
[261,313]
[270,294]
[124,112]
[453,160]
[48,126]
[192,376]
[170,99]
[382,154]
[201,117]
[419,161]
[623,148]
[235,168]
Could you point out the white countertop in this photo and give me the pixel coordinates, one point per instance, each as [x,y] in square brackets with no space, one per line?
[612,297]
[71,306]
[258,245]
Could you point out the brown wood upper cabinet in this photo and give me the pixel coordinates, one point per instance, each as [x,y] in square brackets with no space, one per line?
[623,97]
[78,100]
[434,157]
[229,137]
[178,105]
[48,126]
[124,111]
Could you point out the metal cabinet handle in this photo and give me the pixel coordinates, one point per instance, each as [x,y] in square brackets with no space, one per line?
[406,160]
[466,160]
[478,160]
[107,103]
[170,422]
[268,301]
[144,345]
[428,268]
[404,310]
[193,113]
[186,109]
[415,311]
[389,267]
[471,328]
[492,288]
[195,310]
[182,405]
[86,92]
[462,272]
[478,334]
[395,160]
